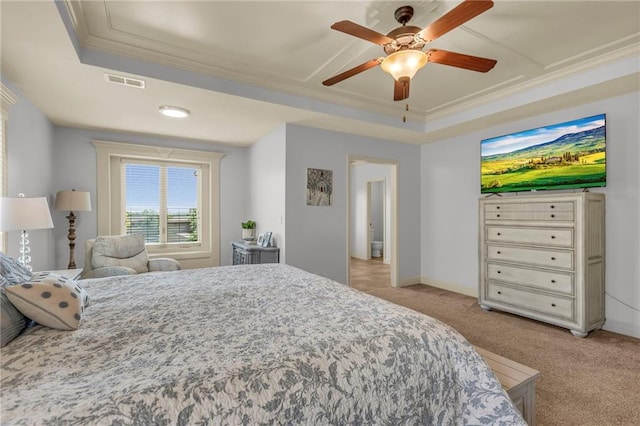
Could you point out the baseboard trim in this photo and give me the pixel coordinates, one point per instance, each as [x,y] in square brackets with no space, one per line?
[456,288]
[409,281]
[358,257]
[626,328]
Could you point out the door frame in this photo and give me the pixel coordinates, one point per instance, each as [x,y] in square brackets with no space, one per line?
[393,185]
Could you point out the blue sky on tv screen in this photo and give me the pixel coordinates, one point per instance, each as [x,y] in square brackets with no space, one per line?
[527,138]
[143,188]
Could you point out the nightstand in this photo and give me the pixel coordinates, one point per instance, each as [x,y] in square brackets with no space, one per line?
[72,274]
[246,254]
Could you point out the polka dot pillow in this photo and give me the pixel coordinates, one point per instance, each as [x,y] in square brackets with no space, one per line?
[50,300]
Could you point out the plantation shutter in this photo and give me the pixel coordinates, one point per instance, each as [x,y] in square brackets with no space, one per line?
[7,99]
[3,168]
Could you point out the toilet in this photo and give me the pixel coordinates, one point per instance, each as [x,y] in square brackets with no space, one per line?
[376,246]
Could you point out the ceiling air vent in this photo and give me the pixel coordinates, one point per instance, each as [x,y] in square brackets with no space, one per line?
[125,81]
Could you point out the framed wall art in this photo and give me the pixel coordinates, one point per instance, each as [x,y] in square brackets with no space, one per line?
[319,187]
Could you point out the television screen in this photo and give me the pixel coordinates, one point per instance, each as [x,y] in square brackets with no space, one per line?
[560,156]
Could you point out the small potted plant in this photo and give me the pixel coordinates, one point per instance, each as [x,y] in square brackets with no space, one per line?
[249,230]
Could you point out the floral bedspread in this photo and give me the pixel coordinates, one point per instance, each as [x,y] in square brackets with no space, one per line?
[255,344]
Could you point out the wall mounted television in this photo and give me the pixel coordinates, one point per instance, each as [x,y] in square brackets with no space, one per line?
[559,156]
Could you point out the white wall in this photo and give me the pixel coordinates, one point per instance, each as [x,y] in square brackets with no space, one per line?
[30,171]
[266,170]
[360,176]
[451,189]
[317,235]
[75,167]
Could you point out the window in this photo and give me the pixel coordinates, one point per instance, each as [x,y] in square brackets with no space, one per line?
[169,195]
[8,99]
[3,170]
[162,201]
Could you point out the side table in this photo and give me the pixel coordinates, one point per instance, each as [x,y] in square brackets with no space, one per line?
[246,254]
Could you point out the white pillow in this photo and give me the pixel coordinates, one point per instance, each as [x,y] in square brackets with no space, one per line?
[52,301]
[55,277]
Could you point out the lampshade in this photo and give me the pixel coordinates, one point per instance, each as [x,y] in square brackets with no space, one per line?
[77,201]
[404,63]
[17,214]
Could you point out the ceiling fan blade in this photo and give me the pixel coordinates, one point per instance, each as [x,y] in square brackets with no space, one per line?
[454,18]
[401,89]
[353,71]
[364,33]
[468,62]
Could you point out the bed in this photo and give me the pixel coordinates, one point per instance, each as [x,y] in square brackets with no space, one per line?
[251,344]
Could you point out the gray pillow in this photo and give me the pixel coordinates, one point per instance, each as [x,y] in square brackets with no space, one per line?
[12,271]
[12,322]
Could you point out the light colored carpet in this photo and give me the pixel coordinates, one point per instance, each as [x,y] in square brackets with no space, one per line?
[590,381]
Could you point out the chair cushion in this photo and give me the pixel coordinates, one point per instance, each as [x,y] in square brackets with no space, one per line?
[121,250]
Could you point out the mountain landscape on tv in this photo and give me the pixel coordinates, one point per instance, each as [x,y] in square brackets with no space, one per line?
[573,160]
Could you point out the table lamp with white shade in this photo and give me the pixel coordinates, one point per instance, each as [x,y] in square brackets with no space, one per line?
[70,201]
[23,214]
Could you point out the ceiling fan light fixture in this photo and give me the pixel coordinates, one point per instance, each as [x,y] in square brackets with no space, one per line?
[173,111]
[404,63]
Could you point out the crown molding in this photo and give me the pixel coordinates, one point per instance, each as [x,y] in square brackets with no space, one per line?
[527,85]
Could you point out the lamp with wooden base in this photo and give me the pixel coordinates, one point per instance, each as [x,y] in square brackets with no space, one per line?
[73,201]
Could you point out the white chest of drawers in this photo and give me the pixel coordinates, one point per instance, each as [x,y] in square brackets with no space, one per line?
[543,256]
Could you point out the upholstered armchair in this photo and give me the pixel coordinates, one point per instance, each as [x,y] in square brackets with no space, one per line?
[122,255]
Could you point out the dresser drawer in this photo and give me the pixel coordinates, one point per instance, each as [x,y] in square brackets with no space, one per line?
[561,282]
[561,237]
[531,216]
[550,258]
[564,206]
[556,306]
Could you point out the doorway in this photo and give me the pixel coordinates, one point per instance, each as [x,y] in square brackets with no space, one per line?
[372,248]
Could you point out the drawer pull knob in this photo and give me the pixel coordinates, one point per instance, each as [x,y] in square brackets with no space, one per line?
[498,252]
[497,207]
[553,258]
[553,215]
[499,272]
[499,292]
[497,215]
[552,206]
[553,281]
[553,304]
[499,234]
[553,237]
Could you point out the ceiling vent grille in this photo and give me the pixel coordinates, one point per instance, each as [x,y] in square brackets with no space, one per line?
[124,81]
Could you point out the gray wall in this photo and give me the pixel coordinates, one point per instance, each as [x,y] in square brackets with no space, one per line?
[451,189]
[317,235]
[75,160]
[266,186]
[30,171]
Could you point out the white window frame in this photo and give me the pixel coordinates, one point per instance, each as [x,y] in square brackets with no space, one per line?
[109,197]
[7,98]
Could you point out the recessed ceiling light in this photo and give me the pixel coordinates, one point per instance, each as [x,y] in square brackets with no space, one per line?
[174,112]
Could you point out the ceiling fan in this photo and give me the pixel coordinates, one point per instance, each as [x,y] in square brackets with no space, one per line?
[404,46]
